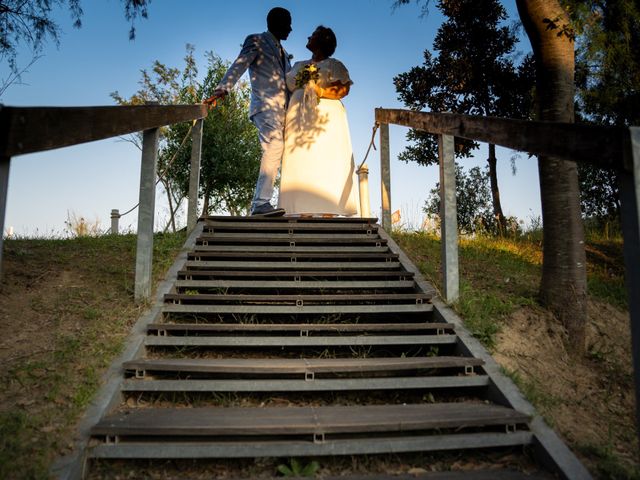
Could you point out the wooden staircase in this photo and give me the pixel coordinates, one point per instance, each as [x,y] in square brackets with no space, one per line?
[303,337]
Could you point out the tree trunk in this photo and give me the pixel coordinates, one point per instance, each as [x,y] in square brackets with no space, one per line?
[563,288]
[495,191]
[205,206]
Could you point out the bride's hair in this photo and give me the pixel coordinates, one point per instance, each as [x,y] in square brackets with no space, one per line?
[328,40]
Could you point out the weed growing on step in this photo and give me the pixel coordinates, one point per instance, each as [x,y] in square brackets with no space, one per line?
[296,468]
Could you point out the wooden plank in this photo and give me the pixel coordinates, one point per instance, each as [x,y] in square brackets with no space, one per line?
[287,248]
[301,448]
[212,226]
[299,365]
[297,327]
[302,385]
[301,285]
[287,309]
[288,219]
[321,237]
[295,274]
[313,341]
[291,265]
[36,129]
[240,421]
[602,146]
[212,298]
[286,240]
[293,256]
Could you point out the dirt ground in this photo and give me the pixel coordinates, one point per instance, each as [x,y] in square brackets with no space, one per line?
[589,401]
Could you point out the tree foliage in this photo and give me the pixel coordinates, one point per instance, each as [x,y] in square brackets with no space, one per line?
[31,23]
[473,200]
[473,70]
[230,147]
[608,87]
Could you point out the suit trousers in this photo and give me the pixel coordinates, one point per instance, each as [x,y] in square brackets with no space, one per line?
[270,127]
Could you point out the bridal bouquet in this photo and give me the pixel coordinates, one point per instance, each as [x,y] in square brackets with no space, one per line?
[306,74]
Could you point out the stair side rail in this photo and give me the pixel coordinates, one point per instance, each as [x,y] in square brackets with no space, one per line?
[36,129]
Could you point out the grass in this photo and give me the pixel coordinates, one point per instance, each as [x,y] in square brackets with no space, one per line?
[500,275]
[75,298]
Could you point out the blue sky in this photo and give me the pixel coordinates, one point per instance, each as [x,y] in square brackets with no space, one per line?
[375,42]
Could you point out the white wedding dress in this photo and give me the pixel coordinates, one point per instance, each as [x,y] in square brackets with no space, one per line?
[317,175]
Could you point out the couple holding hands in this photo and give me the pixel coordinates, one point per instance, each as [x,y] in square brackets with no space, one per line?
[301,122]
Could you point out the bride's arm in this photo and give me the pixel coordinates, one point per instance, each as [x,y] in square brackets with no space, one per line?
[335,91]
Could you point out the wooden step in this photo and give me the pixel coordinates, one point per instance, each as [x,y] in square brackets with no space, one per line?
[290,249]
[292,257]
[304,329]
[296,275]
[289,265]
[304,366]
[213,226]
[287,219]
[238,421]
[299,285]
[291,237]
[394,384]
[354,240]
[204,449]
[302,341]
[298,299]
[302,309]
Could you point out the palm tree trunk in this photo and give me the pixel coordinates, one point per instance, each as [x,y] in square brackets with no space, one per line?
[495,191]
[563,288]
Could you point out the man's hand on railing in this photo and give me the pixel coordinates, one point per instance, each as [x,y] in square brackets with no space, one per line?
[218,93]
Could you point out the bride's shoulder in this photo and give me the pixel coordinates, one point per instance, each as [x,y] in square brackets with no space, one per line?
[334,62]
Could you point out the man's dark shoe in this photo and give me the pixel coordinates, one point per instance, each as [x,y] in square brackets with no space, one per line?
[267,210]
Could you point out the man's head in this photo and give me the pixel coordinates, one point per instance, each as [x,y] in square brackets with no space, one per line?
[279,22]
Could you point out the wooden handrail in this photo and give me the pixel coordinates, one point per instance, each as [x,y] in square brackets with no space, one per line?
[601,146]
[36,129]
[612,148]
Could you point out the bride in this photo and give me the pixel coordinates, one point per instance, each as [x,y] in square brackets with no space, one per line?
[317,166]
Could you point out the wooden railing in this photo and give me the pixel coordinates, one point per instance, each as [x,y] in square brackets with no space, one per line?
[36,129]
[616,148]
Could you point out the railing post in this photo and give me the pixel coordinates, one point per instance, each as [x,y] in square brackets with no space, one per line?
[5,163]
[194,174]
[629,185]
[448,219]
[146,210]
[115,219]
[385,176]
[363,183]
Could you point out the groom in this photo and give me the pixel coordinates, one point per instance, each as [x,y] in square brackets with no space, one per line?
[268,63]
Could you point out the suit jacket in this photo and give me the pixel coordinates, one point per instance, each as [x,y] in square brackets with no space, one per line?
[261,55]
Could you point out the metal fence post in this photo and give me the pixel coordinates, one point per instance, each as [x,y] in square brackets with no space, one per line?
[385,176]
[5,163]
[194,174]
[146,210]
[115,219]
[448,219]
[630,205]
[363,183]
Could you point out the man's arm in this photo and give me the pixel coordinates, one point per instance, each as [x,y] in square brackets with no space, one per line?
[247,55]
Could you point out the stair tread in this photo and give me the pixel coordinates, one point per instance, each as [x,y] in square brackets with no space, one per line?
[305,420]
[299,365]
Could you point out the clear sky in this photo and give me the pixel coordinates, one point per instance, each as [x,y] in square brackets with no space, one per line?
[375,41]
